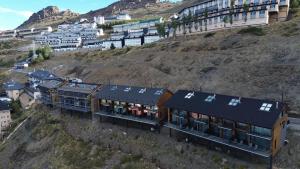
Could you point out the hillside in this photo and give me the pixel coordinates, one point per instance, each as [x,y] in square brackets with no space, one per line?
[52,16]
[255,62]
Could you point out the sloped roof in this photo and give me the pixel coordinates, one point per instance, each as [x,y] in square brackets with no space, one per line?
[247,111]
[12,85]
[131,94]
[42,75]
[51,84]
[79,87]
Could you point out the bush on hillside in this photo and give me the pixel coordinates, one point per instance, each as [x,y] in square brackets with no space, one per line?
[253,31]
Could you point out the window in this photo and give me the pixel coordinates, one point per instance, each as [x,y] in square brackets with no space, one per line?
[158,92]
[142,91]
[234,102]
[114,88]
[189,95]
[127,89]
[265,107]
[210,98]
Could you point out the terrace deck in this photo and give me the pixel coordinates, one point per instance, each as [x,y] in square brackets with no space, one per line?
[128,118]
[228,143]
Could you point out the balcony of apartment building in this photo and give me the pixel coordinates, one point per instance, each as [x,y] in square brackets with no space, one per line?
[72,100]
[46,98]
[236,135]
[273,7]
[284,2]
[129,111]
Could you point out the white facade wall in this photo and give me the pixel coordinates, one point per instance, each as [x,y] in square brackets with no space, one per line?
[107,44]
[99,20]
[151,39]
[5,120]
[133,42]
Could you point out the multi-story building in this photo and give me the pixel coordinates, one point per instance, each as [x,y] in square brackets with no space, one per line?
[137,25]
[9,34]
[248,125]
[48,91]
[106,44]
[119,17]
[5,117]
[33,32]
[219,14]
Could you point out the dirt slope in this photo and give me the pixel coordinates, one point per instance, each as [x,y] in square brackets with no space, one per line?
[226,62]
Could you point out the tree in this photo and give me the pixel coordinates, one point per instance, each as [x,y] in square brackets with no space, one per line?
[231,11]
[112,46]
[174,25]
[294,3]
[205,18]
[246,10]
[161,29]
[189,20]
[16,109]
[184,22]
[225,20]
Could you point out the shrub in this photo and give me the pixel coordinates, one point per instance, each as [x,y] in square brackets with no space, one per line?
[210,34]
[253,31]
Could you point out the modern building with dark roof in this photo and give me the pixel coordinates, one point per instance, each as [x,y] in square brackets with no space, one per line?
[13,89]
[77,96]
[130,103]
[249,125]
[40,76]
[48,91]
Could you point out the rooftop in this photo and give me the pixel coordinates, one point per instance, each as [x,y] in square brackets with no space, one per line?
[131,94]
[51,84]
[42,75]
[78,87]
[262,113]
[12,85]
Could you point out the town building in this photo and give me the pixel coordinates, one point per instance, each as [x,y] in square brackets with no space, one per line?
[106,44]
[92,44]
[33,32]
[8,34]
[48,91]
[13,89]
[100,20]
[77,97]
[219,14]
[246,125]
[137,25]
[130,103]
[118,17]
[5,118]
[40,76]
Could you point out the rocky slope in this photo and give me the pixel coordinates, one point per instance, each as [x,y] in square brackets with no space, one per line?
[48,16]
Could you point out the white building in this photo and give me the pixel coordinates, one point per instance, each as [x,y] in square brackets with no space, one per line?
[92,44]
[107,44]
[137,25]
[117,36]
[134,41]
[217,14]
[119,17]
[99,20]
[9,34]
[5,117]
[151,38]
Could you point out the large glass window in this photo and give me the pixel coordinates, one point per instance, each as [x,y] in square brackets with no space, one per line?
[261,131]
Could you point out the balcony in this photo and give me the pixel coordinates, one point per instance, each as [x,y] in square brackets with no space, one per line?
[273,8]
[129,117]
[224,142]
[284,3]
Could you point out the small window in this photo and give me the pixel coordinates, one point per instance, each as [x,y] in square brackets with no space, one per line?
[158,92]
[127,89]
[210,98]
[234,102]
[265,107]
[189,95]
[142,91]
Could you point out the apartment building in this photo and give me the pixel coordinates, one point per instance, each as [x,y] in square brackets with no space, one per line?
[5,118]
[48,91]
[33,32]
[137,25]
[106,44]
[118,17]
[247,125]
[219,14]
[9,34]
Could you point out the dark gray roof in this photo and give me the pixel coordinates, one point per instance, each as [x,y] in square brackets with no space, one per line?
[79,87]
[4,105]
[12,85]
[247,111]
[131,94]
[42,75]
[51,84]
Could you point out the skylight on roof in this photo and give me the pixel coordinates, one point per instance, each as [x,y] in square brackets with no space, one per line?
[189,95]
[234,102]
[158,92]
[127,89]
[210,98]
[114,88]
[142,91]
[265,107]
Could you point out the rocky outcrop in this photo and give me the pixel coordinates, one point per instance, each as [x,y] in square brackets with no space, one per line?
[50,12]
